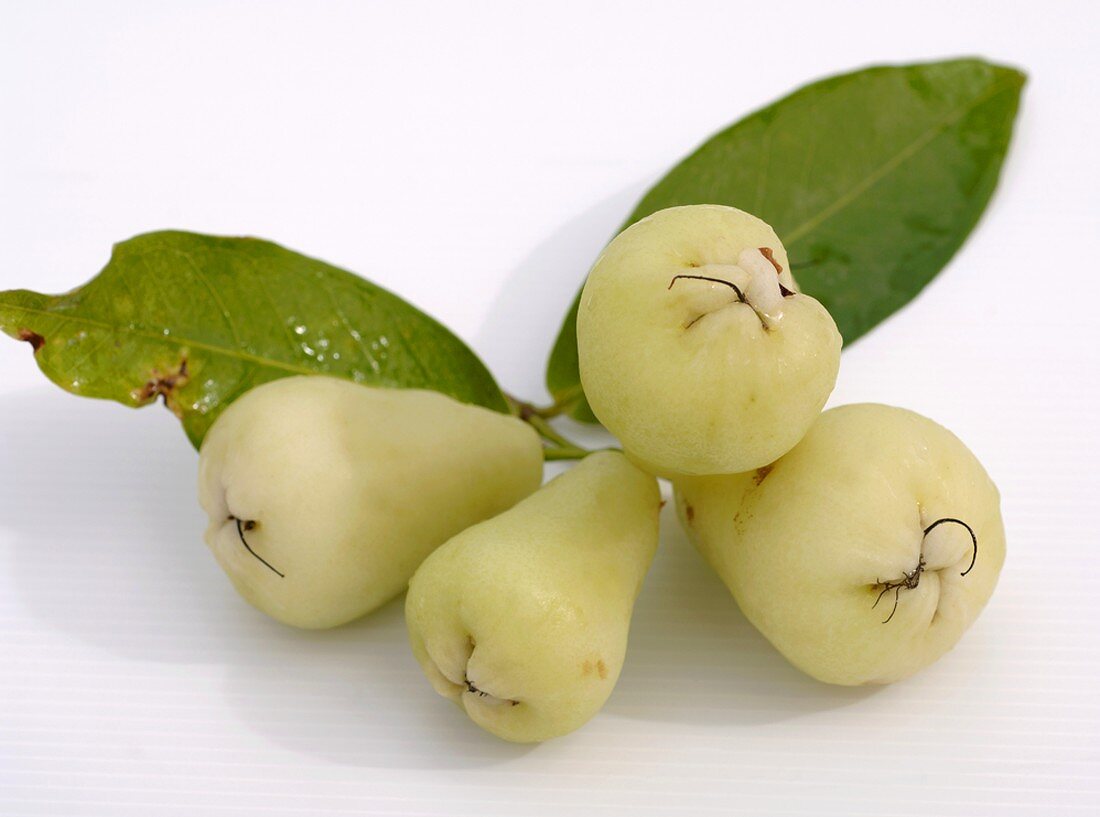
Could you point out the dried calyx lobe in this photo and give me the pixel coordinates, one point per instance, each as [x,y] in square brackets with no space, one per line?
[768,254]
[764,251]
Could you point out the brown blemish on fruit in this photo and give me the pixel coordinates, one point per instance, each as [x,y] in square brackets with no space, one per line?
[767,253]
[33,338]
[761,474]
[740,520]
[165,385]
[599,667]
[689,512]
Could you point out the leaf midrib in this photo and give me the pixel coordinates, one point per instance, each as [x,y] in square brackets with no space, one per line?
[907,152]
[174,340]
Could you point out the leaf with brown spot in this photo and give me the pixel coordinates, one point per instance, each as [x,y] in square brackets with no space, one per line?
[197,320]
[166,385]
[33,338]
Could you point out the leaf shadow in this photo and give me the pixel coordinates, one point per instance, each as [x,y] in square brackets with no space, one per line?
[355,696]
[523,321]
[103,541]
[103,519]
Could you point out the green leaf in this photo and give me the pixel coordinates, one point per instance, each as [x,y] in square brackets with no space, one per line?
[872,180]
[198,320]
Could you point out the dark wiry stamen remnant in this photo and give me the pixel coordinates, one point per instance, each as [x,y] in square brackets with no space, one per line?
[970,530]
[911,580]
[250,524]
[730,284]
[471,688]
[481,694]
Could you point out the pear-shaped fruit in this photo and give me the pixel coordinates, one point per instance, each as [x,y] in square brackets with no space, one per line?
[324,495]
[696,349]
[523,619]
[865,552]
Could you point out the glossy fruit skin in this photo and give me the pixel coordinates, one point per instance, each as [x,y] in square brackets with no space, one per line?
[807,543]
[345,489]
[523,619]
[691,379]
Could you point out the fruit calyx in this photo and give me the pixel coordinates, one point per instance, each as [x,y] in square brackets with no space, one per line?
[492,699]
[768,254]
[911,579]
[764,291]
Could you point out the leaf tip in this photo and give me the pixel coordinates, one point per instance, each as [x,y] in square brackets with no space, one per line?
[1009,74]
[1012,74]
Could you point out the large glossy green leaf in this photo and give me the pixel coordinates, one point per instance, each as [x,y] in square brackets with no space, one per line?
[872,180]
[197,320]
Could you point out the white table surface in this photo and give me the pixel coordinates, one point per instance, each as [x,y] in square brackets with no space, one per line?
[474,157]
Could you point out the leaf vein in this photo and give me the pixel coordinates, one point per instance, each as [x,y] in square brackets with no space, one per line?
[910,150]
[171,340]
[201,276]
[352,333]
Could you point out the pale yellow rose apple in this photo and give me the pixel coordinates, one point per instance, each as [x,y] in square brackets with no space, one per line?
[523,619]
[696,349]
[864,553]
[324,495]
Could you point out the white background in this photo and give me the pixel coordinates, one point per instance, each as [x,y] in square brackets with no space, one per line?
[474,157]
